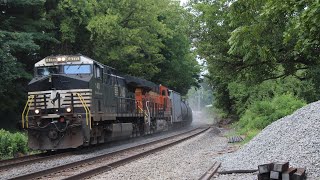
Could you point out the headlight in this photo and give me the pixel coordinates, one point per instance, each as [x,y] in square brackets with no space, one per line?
[68,109]
[37,111]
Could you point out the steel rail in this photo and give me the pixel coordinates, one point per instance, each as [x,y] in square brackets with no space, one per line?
[29,159]
[18,159]
[207,175]
[126,160]
[24,160]
[244,171]
[82,163]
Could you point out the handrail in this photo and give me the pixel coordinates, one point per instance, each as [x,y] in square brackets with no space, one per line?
[81,99]
[25,118]
[88,111]
[85,106]
[147,106]
[144,112]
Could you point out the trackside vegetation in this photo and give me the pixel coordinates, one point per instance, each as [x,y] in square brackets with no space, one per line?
[12,144]
[145,38]
[262,113]
[262,56]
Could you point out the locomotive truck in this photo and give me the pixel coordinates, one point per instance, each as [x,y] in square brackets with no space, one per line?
[76,101]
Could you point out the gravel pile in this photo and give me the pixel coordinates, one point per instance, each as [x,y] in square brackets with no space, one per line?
[186,160]
[294,138]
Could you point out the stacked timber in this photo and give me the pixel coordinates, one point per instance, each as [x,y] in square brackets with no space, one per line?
[275,171]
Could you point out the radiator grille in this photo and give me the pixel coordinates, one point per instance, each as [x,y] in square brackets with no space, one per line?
[49,99]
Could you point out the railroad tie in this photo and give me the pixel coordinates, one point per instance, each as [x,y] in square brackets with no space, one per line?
[280,170]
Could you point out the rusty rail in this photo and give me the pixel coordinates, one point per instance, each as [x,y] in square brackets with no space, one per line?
[243,171]
[214,168]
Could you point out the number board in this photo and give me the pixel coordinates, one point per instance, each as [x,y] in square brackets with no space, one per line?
[62,59]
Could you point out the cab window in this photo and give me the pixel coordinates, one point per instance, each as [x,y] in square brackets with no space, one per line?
[44,71]
[163,92]
[98,72]
[77,69]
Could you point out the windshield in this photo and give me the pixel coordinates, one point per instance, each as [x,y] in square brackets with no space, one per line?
[44,71]
[77,69]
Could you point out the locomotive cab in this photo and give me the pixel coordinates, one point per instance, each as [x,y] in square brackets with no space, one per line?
[57,113]
[62,73]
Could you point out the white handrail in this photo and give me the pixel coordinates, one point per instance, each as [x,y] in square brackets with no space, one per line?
[147,103]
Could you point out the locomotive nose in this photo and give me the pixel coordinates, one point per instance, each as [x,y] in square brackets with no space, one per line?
[53,134]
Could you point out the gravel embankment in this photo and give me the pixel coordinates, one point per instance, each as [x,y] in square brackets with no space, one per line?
[250,176]
[21,170]
[187,160]
[294,138]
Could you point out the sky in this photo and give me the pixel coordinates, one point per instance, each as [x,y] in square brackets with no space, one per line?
[182,2]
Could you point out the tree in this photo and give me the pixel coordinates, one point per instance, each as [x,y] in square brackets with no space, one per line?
[71,19]
[126,36]
[145,38]
[211,33]
[249,42]
[179,69]
[22,31]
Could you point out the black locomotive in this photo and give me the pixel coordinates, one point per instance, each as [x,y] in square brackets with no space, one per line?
[75,101]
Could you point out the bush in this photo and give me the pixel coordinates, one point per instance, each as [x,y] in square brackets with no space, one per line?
[12,144]
[262,113]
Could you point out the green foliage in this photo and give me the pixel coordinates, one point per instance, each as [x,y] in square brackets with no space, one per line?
[245,95]
[125,35]
[256,49]
[179,70]
[250,134]
[72,17]
[23,30]
[12,144]
[262,113]
[146,38]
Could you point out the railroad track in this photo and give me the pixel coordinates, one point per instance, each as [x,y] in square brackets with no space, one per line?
[25,160]
[102,163]
[46,156]
[208,174]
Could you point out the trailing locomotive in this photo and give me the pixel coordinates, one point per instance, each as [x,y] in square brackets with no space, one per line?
[76,101]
